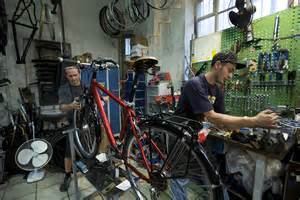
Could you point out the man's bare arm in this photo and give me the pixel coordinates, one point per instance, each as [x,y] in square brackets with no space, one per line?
[70,106]
[265,119]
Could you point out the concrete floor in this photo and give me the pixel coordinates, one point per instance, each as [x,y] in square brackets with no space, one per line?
[16,188]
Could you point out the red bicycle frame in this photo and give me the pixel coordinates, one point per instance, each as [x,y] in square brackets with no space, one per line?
[130,117]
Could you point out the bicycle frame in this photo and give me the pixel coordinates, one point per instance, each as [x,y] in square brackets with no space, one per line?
[130,117]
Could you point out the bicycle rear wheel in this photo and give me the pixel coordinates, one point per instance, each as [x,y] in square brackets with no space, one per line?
[87,137]
[177,169]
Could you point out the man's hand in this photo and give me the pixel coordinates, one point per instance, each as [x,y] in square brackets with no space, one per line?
[266,119]
[71,106]
[75,105]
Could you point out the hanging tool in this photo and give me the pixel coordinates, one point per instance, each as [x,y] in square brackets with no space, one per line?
[281,62]
[283,59]
[276,33]
[275,52]
[275,60]
[275,65]
[260,66]
[267,64]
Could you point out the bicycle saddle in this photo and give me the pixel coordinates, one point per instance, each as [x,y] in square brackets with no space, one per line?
[145,63]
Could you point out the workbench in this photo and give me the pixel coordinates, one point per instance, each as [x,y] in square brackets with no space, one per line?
[262,156]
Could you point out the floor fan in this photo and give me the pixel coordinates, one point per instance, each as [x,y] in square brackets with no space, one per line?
[33,154]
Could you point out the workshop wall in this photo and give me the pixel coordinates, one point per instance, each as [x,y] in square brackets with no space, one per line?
[169,33]
[82,31]
[247,90]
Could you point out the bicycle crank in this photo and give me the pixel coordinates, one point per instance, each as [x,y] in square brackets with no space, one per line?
[158,182]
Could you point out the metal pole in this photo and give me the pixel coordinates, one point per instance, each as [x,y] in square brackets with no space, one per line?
[70,133]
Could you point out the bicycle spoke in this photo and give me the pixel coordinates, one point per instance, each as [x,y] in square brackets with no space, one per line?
[86,138]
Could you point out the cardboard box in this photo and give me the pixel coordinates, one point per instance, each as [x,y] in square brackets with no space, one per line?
[139,40]
[139,51]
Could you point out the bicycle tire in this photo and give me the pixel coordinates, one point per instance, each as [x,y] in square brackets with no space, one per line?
[113,32]
[152,5]
[87,135]
[202,168]
[115,17]
[163,6]
[134,14]
[141,9]
[119,17]
[105,25]
[131,14]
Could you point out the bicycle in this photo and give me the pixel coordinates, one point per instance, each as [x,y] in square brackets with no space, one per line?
[161,153]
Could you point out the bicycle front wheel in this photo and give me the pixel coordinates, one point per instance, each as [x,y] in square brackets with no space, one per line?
[86,136]
[177,169]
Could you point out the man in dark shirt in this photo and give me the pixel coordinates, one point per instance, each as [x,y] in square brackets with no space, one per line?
[202,98]
[68,95]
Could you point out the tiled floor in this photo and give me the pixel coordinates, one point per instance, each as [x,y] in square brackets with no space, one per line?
[16,188]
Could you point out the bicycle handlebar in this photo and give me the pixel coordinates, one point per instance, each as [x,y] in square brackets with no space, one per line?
[105,61]
[96,64]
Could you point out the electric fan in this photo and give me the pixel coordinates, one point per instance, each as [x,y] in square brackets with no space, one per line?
[32,156]
[243,18]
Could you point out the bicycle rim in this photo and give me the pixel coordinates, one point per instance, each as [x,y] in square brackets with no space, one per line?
[86,137]
[184,176]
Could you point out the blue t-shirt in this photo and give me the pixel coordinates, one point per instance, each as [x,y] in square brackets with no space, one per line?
[198,97]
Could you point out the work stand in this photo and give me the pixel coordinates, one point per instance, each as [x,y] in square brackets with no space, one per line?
[105,176]
[112,174]
[70,133]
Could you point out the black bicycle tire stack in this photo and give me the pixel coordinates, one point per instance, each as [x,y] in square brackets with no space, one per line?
[116,22]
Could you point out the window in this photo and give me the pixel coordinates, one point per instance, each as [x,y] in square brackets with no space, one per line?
[206,26]
[223,20]
[212,15]
[224,4]
[204,7]
[267,7]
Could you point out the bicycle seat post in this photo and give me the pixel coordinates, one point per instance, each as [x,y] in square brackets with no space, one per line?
[140,66]
[134,85]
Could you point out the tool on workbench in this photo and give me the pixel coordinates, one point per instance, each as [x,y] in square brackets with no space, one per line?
[228,134]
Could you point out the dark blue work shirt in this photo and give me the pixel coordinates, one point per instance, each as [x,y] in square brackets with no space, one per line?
[198,97]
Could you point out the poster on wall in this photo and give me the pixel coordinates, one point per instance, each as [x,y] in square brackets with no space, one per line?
[204,48]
